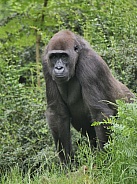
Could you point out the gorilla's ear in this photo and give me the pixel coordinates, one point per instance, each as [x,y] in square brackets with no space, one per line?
[76,48]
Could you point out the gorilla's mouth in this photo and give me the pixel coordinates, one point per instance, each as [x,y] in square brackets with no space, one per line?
[60,77]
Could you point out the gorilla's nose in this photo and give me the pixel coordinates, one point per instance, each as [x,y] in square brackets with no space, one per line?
[59,69]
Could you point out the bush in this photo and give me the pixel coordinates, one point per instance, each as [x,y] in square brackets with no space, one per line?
[119,164]
[110,27]
[24,133]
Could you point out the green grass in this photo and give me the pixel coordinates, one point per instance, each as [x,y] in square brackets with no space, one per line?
[116,166]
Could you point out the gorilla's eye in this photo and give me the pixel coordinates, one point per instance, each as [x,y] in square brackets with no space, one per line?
[52,56]
[76,48]
[63,55]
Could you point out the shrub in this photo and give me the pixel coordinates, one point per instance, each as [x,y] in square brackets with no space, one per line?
[24,133]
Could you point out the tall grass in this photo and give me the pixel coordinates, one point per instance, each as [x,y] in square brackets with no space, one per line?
[118,165]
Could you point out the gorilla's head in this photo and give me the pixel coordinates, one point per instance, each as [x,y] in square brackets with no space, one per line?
[62,55]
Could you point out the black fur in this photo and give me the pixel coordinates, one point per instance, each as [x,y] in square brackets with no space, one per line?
[81,98]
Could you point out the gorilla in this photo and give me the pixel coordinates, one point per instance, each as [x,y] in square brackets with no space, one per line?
[79,86]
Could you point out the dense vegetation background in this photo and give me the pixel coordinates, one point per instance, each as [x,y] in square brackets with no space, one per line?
[25,142]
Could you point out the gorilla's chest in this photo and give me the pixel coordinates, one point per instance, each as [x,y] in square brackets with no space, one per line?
[71,94]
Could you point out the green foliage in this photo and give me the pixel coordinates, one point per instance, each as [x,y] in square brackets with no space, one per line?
[116,165]
[23,132]
[110,26]
[123,146]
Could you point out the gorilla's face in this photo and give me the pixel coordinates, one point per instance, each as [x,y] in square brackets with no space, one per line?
[62,57]
[59,65]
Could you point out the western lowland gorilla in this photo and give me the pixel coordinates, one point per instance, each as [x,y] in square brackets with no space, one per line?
[79,86]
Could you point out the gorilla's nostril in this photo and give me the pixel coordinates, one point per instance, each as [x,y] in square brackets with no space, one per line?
[59,67]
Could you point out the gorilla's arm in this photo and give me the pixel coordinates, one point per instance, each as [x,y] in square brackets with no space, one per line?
[58,118]
[98,87]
